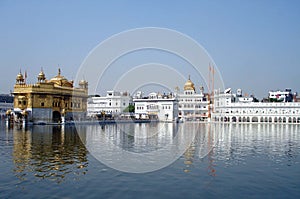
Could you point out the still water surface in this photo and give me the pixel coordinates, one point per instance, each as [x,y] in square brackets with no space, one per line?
[223,161]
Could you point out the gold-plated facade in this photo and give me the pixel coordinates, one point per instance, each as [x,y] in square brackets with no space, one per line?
[50,100]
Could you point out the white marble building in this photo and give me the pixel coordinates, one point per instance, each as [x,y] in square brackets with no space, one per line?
[156,106]
[113,103]
[229,107]
[192,105]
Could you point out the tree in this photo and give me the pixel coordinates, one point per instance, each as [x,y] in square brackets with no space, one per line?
[129,109]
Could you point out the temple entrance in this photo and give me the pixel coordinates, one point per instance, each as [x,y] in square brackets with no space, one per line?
[56,116]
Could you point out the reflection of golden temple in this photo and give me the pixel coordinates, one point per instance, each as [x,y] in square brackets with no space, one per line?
[51,100]
[189,158]
[48,152]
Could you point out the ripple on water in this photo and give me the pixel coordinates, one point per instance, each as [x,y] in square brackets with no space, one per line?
[241,161]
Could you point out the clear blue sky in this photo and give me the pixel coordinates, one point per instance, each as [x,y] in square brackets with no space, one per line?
[255,44]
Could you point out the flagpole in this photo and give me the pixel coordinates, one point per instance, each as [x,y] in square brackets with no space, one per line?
[25,76]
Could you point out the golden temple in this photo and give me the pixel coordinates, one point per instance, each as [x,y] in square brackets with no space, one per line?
[55,100]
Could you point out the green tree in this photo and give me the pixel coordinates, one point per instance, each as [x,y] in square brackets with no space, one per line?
[129,109]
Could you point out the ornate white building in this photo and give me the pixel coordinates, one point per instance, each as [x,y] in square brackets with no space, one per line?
[192,105]
[229,107]
[156,106]
[113,103]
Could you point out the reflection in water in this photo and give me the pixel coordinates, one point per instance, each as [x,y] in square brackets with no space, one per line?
[134,147]
[53,152]
[202,146]
[142,148]
[50,152]
[139,138]
[223,160]
[276,141]
[234,143]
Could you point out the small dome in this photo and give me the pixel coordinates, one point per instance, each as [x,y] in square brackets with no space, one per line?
[20,77]
[189,85]
[41,76]
[82,82]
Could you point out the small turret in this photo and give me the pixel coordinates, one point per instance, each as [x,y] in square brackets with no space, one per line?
[20,78]
[41,76]
[83,84]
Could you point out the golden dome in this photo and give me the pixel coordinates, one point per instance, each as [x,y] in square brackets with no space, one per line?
[41,76]
[189,85]
[61,80]
[20,77]
[82,82]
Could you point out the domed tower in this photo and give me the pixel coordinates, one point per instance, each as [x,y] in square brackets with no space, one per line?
[189,85]
[41,76]
[83,84]
[20,79]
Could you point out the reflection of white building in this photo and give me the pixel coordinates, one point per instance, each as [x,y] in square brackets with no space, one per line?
[229,107]
[162,107]
[113,103]
[192,105]
[237,141]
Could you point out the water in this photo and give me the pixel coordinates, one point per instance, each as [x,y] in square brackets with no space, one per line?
[223,161]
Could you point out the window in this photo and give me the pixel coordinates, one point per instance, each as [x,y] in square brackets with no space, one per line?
[42,104]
